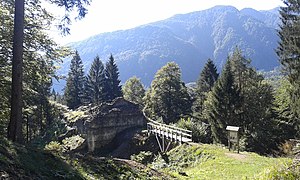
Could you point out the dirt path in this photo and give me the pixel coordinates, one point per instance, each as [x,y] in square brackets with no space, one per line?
[241,157]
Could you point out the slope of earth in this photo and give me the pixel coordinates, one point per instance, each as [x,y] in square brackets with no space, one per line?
[189,40]
[204,161]
[20,162]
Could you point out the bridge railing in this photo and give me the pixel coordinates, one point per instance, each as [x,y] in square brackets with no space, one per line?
[168,131]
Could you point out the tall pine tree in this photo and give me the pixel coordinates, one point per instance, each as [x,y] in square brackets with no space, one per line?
[289,49]
[112,85]
[225,105]
[205,83]
[94,88]
[74,91]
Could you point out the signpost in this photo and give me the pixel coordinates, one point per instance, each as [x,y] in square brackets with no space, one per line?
[233,136]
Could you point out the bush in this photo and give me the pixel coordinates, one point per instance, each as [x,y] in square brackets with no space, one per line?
[287,171]
[143,157]
[54,146]
[200,131]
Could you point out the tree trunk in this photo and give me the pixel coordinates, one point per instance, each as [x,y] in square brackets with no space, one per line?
[14,132]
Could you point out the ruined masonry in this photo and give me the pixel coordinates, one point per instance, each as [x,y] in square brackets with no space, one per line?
[104,122]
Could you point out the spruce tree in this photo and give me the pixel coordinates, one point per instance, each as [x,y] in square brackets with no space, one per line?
[240,67]
[289,49]
[168,97]
[112,84]
[133,90]
[94,88]
[205,83]
[224,108]
[74,91]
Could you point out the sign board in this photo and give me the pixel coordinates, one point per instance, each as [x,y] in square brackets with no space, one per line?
[233,136]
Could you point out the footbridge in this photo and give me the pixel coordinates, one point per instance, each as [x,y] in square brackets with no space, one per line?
[165,132]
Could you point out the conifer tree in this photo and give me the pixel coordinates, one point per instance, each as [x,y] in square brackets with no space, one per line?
[289,49]
[74,90]
[240,67]
[257,98]
[112,85]
[133,90]
[94,88]
[224,108]
[168,97]
[205,83]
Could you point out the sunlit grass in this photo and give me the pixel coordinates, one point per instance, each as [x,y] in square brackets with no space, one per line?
[214,162]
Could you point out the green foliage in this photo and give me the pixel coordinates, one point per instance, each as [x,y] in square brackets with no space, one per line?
[205,83]
[53,146]
[69,6]
[288,123]
[133,90]
[40,55]
[95,84]
[167,97]
[181,158]
[285,171]
[112,86]
[242,98]
[72,143]
[74,91]
[225,105]
[289,49]
[257,117]
[143,157]
[201,132]
[20,162]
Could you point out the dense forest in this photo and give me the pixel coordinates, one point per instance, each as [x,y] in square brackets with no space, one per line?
[267,109]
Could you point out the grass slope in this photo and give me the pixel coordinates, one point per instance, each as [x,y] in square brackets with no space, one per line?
[20,162]
[213,162]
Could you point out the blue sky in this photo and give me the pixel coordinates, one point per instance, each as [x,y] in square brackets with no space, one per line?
[112,15]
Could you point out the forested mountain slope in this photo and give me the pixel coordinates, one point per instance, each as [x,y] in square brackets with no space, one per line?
[189,40]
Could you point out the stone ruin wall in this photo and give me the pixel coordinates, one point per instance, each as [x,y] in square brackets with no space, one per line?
[101,129]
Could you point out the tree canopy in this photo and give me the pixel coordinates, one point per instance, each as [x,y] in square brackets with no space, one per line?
[38,58]
[289,49]
[133,90]
[168,97]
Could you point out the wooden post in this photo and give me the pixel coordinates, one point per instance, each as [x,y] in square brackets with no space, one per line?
[238,144]
[229,145]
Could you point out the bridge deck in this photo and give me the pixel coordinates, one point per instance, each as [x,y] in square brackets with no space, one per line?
[169,132]
[171,136]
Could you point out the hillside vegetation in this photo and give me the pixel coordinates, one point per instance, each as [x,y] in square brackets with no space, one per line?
[187,161]
[20,162]
[215,162]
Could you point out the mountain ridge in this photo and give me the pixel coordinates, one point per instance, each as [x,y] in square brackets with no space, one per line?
[189,40]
